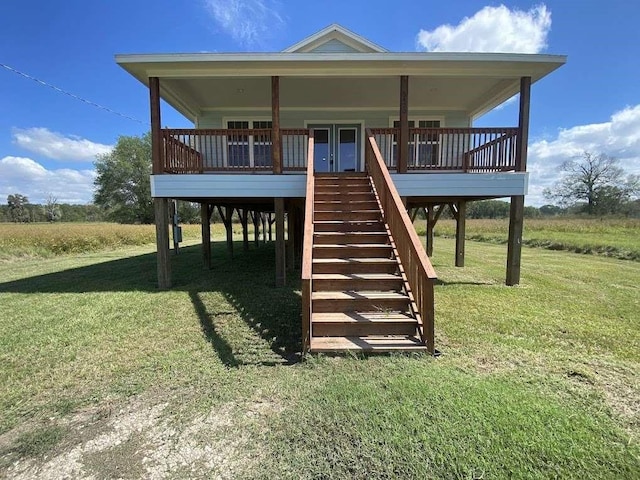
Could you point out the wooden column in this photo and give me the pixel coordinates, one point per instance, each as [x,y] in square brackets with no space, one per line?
[263,219]
[403,140]
[161,210]
[243,214]
[281,275]
[276,144]
[514,242]
[523,124]
[205,220]
[516,211]
[255,216]
[430,224]
[227,216]
[460,232]
[160,205]
[156,132]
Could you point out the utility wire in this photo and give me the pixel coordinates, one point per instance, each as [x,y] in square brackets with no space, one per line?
[72,95]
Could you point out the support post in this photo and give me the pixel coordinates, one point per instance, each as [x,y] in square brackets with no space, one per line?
[460,232]
[276,144]
[403,140]
[205,220]
[271,220]
[429,233]
[291,235]
[161,210]
[281,275]
[243,213]
[263,218]
[523,124]
[516,211]
[156,132]
[255,216]
[514,242]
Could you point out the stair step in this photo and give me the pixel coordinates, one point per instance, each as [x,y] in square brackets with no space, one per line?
[387,343]
[350,237]
[359,250]
[343,187]
[360,301]
[348,215]
[348,226]
[333,206]
[340,175]
[343,196]
[354,265]
[341,181]
[346,324]
[356,281]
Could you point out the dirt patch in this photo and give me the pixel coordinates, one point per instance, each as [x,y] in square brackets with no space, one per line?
[151,441]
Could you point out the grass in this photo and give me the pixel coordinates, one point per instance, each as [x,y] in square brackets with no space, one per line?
[616,238]
[535,381]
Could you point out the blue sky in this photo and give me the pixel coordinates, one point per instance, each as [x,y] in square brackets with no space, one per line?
[48,140]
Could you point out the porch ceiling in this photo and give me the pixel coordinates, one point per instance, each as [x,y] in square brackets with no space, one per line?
[472,83]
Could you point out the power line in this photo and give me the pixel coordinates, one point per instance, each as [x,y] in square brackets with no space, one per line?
[72,95]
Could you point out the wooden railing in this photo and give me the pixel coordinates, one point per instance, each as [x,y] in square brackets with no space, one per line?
[231,150]
[496,150]
[416,265]
[307,249]
[178,156]
[451,149]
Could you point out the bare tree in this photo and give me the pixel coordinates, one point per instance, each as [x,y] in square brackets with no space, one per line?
[51,209]
[597,180]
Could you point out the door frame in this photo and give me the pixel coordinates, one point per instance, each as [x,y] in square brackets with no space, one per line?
[345,122]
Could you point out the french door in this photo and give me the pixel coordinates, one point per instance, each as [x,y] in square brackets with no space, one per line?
[336,147]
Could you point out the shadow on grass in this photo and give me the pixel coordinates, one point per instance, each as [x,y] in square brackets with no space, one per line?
[246,283]
[445,283]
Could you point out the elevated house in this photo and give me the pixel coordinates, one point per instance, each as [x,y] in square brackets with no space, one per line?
[342,140]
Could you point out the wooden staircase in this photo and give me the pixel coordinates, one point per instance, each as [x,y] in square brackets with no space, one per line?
[360,298]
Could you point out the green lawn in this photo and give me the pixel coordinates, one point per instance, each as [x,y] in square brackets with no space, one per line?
[535,381]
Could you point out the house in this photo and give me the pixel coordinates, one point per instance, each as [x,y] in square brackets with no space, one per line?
[342,138]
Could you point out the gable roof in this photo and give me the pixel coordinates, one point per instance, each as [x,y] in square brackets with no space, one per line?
[332,34]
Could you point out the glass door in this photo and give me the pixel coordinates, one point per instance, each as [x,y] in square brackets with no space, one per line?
[336,147]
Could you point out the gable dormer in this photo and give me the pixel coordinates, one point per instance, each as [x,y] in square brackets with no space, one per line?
[335,39]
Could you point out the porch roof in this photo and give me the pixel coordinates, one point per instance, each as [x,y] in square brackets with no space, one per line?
[470,82]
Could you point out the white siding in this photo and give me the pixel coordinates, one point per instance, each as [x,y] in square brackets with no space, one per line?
[334,46]
[293,185]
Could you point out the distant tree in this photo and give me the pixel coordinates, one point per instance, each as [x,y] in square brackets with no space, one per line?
[488,209]
[122,181]
[51,208]
[596,181]
[18,211]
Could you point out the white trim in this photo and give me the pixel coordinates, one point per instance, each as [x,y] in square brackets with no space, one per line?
[329,33]
[345,122]
[328,109]
[417,118]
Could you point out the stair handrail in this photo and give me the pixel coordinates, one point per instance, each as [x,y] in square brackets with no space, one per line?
[307,248]
[417,267]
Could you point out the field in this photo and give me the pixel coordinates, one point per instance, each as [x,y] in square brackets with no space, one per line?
[102,375]
[616,238]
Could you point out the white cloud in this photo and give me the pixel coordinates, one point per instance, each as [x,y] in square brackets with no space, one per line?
[28,177]
[57,146]
[492,29]
[247,21]
[619,138]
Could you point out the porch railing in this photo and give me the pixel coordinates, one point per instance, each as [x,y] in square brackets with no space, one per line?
[451,149]
[416,265]
[250,150]
[307,248]
[231,150]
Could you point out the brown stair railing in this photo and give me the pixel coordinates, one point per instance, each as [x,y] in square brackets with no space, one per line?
[417,267]
[307,249]
[179,155]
